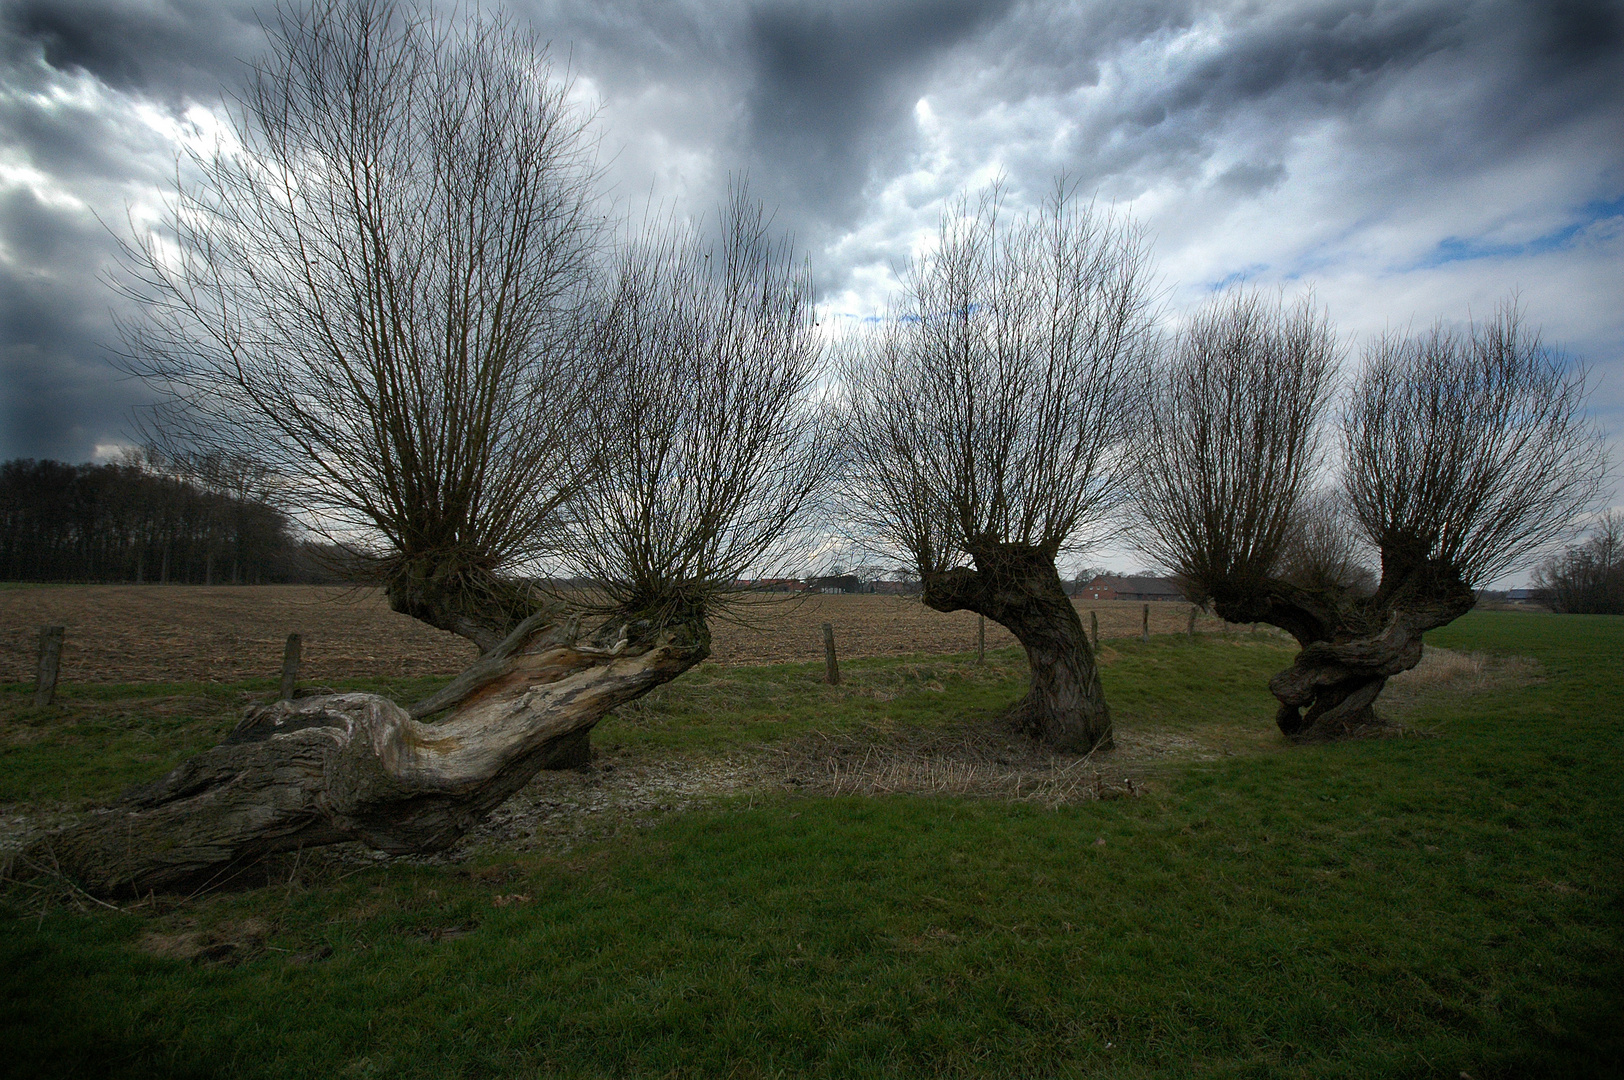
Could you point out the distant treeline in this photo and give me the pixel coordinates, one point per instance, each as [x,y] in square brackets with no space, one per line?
[136,523]
[1587,578]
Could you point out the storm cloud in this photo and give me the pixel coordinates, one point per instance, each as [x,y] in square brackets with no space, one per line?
[1411,160]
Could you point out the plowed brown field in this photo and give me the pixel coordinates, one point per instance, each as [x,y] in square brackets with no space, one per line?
[179,633]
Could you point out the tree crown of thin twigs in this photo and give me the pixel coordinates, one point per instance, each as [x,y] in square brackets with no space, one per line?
[1235,437]
[716,454]
[1469,448]
[997,404]
[376,292]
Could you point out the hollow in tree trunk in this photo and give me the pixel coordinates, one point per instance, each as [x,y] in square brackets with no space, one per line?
[321,770]
[1018,587]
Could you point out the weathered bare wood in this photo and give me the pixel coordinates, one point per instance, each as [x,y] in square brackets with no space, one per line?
[290,666]
[1144,625]
[831,665]
[1094,628]
[325,769]
[1190,630]
[50,661]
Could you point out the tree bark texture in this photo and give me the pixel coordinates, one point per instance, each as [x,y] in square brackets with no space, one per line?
[442,592]
[1017,586]
[320,770]
[446,595]
[1351,644]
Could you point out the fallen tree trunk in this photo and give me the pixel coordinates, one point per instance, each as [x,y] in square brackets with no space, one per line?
[321,770]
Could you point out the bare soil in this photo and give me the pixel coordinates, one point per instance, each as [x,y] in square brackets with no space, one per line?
[194,633]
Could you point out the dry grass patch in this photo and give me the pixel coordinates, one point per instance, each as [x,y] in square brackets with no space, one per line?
[976,760]
[230,942]
[1447,673]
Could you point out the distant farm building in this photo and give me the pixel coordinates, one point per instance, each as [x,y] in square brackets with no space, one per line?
[836,584]
[1111,587]
[777,584]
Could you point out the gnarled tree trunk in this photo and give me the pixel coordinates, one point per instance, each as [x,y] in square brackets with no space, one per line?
[1018,587]
[320,770]
[444,592]
[1351,645]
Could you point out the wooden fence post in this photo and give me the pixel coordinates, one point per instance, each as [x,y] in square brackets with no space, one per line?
[831,667]
[981,639]
[1094,627]
[50,661]
[290,666]
[1191,630]
[1144,625]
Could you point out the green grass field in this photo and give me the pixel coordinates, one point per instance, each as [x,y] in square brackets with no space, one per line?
[1439,906]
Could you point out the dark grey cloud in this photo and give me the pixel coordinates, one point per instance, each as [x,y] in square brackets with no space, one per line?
[162,50]
[61,396]
[1458,82]
[40,239]
[72,146]
[1427,127]
[834,83]
[68,138]
[1577,34]
[822,92]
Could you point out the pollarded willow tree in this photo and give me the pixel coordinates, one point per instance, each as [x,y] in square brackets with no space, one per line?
[1462,455]
[989,427]
[378,287]
[682,453]
[716,455]
[710,464]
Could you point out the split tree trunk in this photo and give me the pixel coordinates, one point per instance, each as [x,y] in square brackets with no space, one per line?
[321,770]
[1017,586]
[441,590]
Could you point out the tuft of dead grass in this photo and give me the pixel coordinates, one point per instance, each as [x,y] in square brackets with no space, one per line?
[1448,673]
[980,761]
[230,942]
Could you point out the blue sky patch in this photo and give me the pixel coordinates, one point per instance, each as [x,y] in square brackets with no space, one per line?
[1455,249]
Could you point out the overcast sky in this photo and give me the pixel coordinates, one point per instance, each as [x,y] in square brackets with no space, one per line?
[1410,160]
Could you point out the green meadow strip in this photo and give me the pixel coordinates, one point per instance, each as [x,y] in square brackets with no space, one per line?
[1438,905]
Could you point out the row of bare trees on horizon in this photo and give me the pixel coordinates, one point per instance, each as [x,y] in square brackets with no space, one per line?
[148,518]
[396,290]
